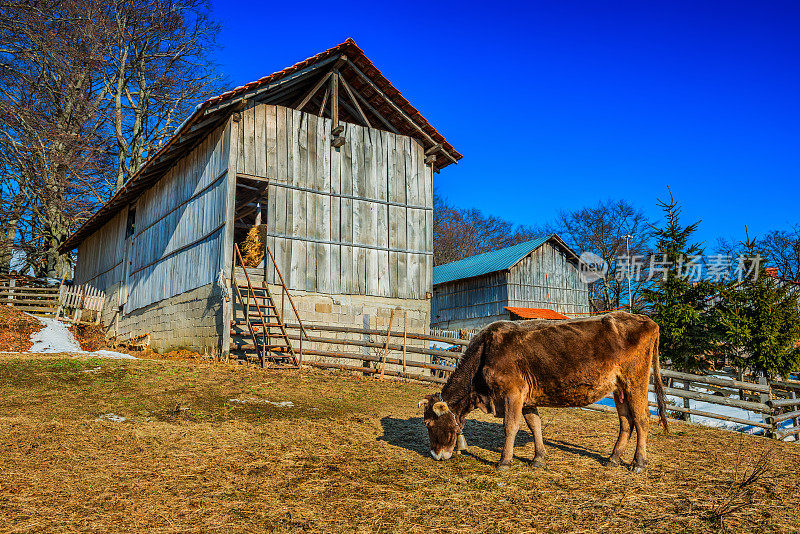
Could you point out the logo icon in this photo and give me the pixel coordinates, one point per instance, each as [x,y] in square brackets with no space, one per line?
[591,267]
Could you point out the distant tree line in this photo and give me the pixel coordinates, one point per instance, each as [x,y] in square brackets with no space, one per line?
[88,90]
[755,321]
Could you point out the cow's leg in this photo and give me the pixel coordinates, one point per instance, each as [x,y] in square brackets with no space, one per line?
[511,420]
[625,426]
[641,421]
[535,424]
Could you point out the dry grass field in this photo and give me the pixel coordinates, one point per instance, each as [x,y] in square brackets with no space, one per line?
[349,455]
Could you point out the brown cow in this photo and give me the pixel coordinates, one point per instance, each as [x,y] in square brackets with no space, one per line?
[511,368]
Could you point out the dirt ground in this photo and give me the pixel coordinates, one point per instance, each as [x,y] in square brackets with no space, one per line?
[203,449]
[16,329]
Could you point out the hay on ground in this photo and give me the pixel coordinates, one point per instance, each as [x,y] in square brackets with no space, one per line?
[16,329]
[319,451]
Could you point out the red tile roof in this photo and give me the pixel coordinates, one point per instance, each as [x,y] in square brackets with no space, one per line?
[358,58]
[535,313]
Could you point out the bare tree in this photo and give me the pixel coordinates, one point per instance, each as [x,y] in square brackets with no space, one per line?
[88,90]
[460,233]
[601,229]
[783,249]
[51,95]
[158,68]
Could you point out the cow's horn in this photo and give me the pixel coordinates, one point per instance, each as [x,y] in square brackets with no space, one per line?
[422,403]
[440,408]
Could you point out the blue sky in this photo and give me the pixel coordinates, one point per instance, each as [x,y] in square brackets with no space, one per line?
[556,105]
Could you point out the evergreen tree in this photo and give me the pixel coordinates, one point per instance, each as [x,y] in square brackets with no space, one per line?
[760,316]
[679,305]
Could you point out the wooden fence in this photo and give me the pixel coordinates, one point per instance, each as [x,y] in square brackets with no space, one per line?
[776,401]
[74,302]
[64,302]
[29,296]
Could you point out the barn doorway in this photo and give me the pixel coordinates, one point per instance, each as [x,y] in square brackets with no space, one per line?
[251,212]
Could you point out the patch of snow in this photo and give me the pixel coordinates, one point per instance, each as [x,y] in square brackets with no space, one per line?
[702,406]
[111,354]
[18,258]
[279,404]
[56,337]
[114,418]
[95,370]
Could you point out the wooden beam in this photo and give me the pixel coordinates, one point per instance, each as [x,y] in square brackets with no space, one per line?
[355,102]
[252,177]
[335,99]
[432,150]
[430,159]
[312,92]
[206,122]
[397,108]
[375,112]
[324,101]
[250,187]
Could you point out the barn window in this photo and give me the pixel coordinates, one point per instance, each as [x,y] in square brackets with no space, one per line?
[131,225]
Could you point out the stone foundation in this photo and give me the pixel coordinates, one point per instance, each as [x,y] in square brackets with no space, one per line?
[355,311]
[191,320]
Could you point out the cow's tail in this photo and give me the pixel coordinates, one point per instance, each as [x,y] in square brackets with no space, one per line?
[658,385]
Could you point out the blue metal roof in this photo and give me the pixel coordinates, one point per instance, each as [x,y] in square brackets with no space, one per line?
[488,262]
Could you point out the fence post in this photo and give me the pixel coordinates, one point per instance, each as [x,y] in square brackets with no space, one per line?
[795,420]
[11,285]
[767,418]
[405,338]
[686,404]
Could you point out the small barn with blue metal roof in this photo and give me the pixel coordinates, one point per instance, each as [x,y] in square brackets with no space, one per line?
[534,279]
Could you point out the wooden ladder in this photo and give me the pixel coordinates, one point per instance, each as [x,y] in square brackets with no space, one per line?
[263,322]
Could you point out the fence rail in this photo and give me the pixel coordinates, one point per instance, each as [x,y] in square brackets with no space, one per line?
[28,297]
[773,401]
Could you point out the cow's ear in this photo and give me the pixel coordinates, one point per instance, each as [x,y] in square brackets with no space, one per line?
[423,403]
[440,408]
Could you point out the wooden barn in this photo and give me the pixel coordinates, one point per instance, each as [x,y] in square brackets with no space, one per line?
[538,279]
[334,164]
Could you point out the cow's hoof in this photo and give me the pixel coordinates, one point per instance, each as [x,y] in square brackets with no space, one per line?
[538,462]
[613,461]
[503,468]
[637,469]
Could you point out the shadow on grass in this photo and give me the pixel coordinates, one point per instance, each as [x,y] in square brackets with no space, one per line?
[411,435]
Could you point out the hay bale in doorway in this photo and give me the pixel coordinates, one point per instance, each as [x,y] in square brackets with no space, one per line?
[254,246]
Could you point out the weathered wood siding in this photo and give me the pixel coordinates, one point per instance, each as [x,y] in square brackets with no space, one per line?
[471,299]
[177,245]
[546,279]
[350,220]
[101,255]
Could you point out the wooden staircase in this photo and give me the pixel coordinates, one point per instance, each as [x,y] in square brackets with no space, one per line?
[258,333]
[268,341]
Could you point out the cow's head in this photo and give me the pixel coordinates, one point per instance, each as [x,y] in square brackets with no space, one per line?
[443,430]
